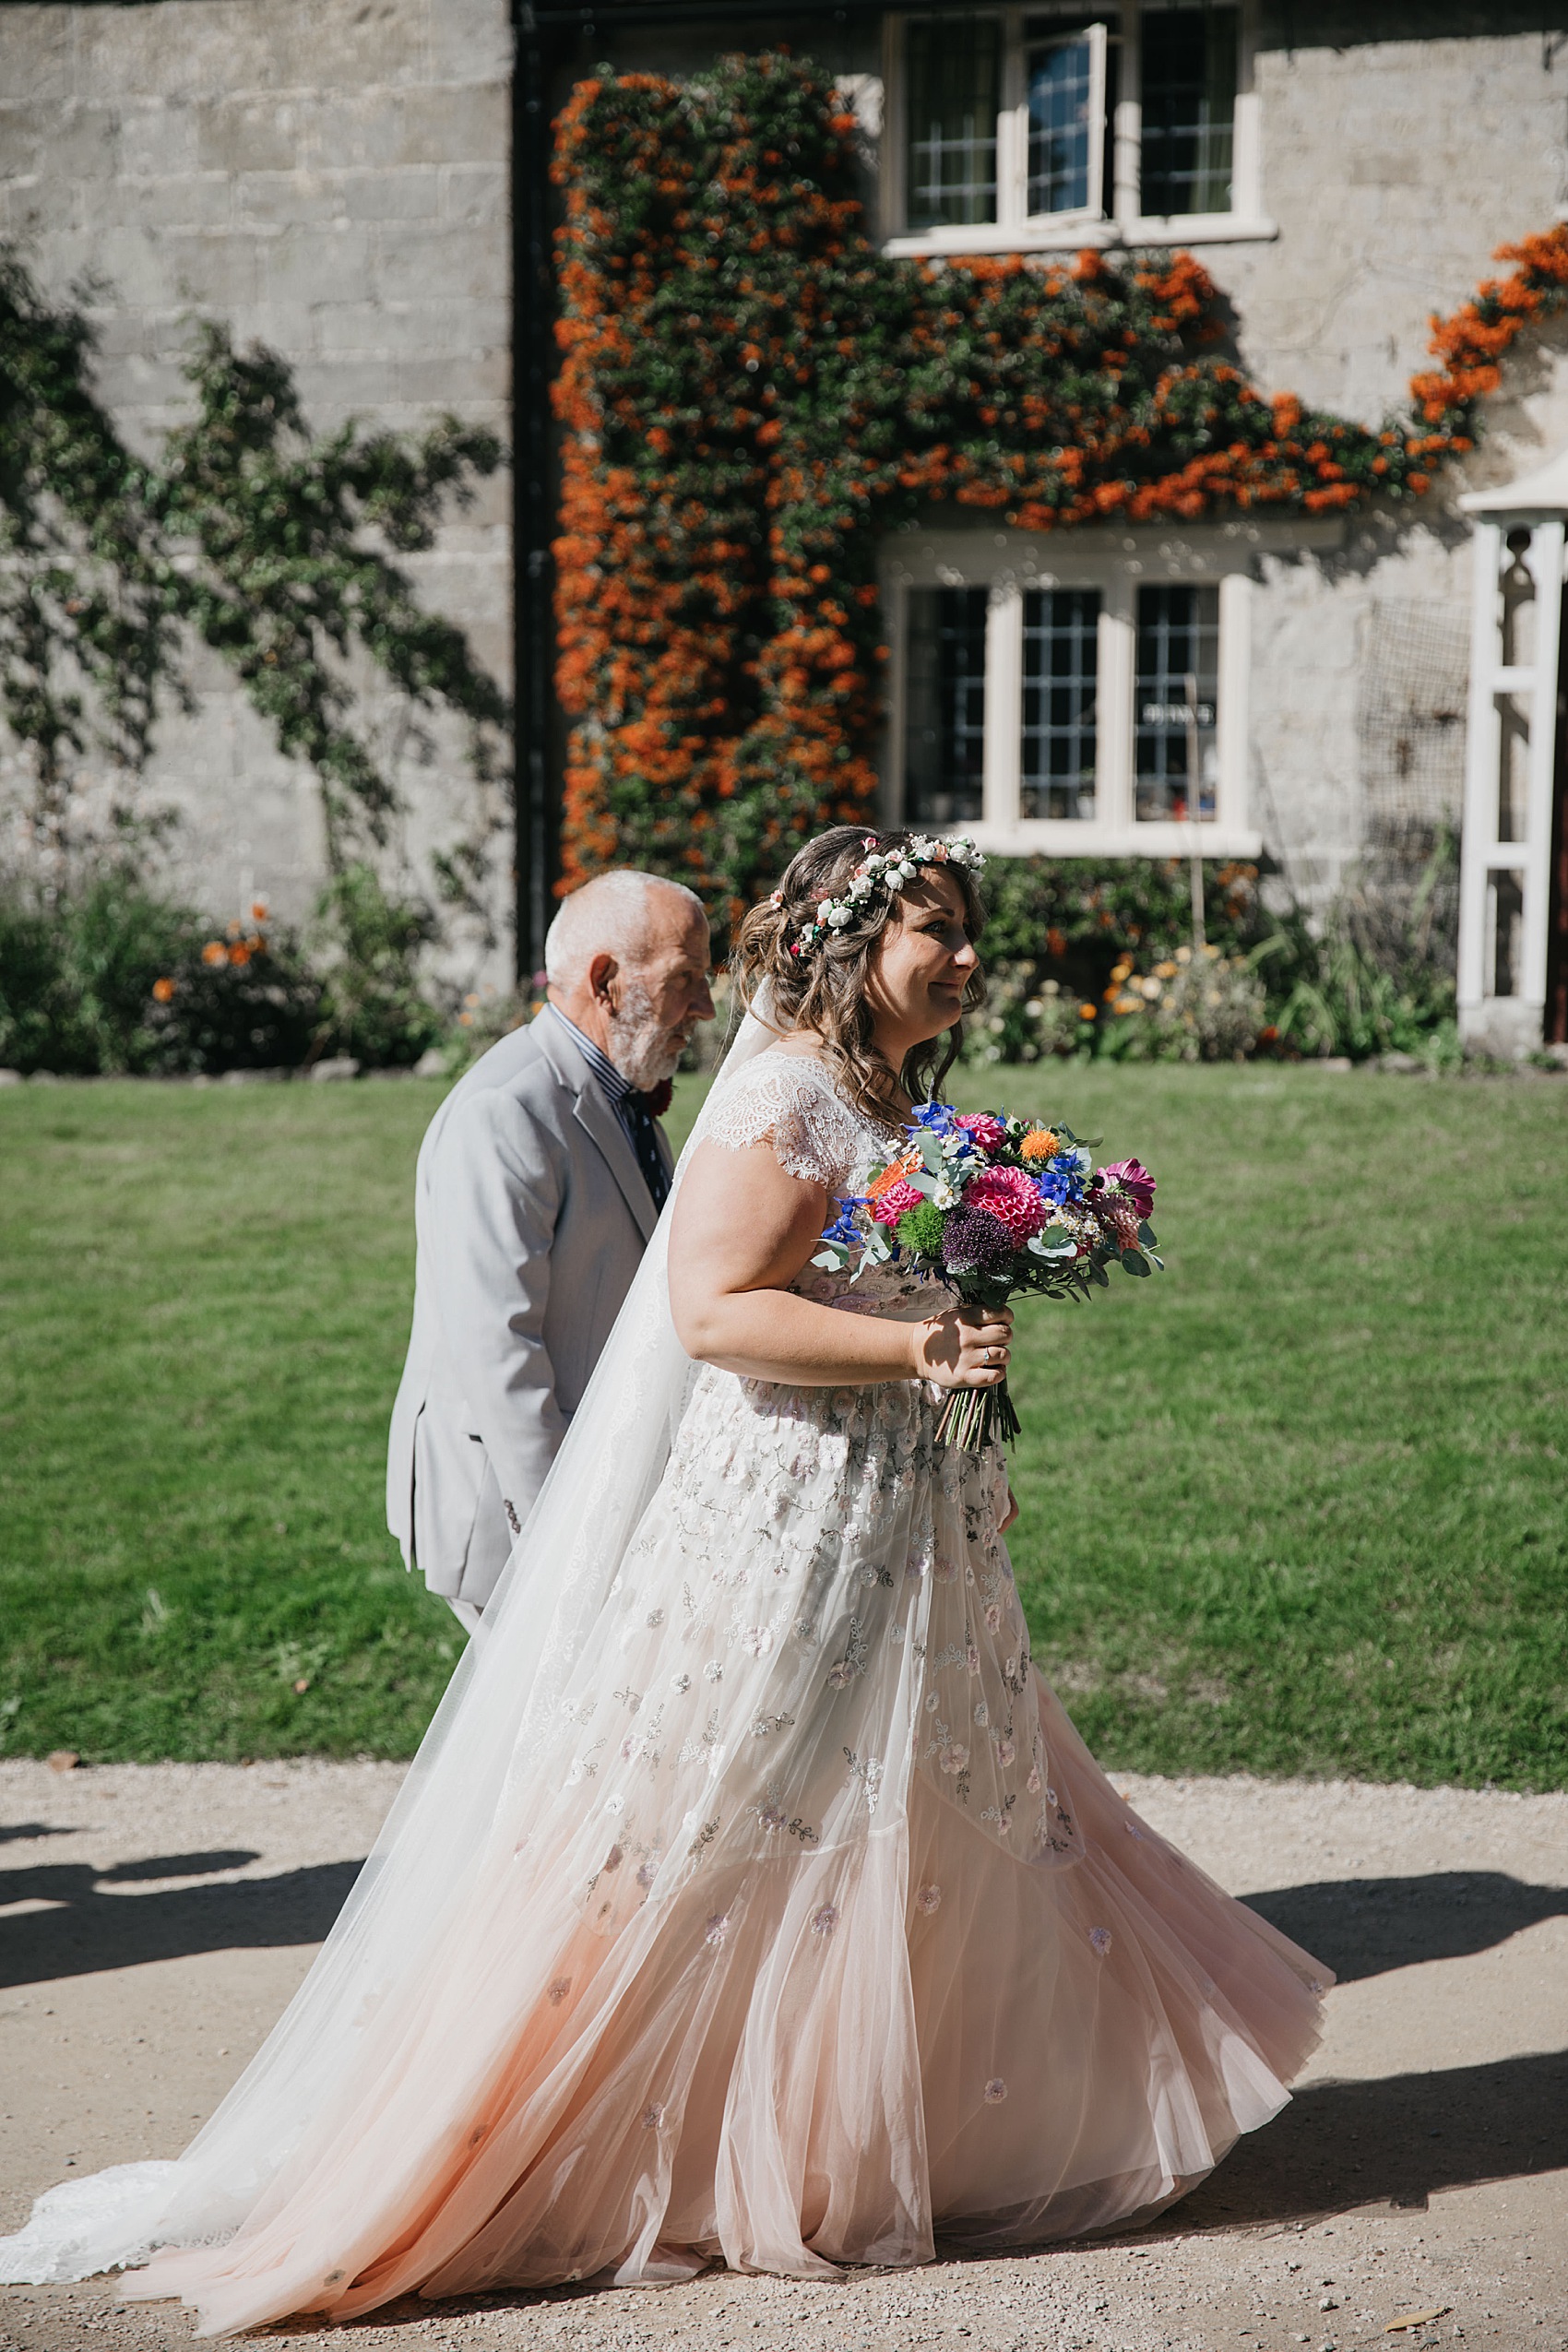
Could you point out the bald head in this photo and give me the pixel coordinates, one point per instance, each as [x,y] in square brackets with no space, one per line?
[626,958]
[616,914]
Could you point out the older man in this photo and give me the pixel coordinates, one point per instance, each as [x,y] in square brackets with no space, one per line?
[538,1183]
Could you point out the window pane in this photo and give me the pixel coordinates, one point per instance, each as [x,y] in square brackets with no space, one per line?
[1189,109]
[1178,640]
[944,705]
[1061,88]
[955,83]
[1060,669]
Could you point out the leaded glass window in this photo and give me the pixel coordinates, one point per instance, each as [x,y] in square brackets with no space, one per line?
[1189,105]
[1060,681]
[944,705]
[955,91]
[1065,78]
[1177,693]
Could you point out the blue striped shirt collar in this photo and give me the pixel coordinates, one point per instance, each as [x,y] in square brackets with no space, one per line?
[616,1085]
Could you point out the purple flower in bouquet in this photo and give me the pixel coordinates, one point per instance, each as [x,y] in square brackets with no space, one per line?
[973,1241]
[1130,1176]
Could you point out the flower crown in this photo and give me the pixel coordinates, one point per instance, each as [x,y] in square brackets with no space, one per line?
[879,870]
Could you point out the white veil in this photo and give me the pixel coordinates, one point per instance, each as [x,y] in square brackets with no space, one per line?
[458,1800]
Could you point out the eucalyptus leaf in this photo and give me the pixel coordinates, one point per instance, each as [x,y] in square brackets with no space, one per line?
[1133,1262]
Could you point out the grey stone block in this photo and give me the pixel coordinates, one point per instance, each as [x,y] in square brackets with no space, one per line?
[198,200]
[456,124]
[249,134]
[413,263]
[37,56]
[157,138]
[410,192]
[477,195]
[22,139]
[398,330]
[77,142]
[470,41]
[319,265]
[476,383]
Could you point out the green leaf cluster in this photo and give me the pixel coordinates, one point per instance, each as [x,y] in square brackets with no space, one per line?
[272,548]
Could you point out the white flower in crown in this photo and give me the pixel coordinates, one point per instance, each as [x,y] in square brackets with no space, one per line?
[879,870]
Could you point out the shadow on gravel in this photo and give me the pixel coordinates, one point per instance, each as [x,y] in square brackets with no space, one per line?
[100,1919]
[1364,1926]
[1396,2141]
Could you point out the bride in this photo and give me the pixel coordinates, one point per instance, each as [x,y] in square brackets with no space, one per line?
[752,1898]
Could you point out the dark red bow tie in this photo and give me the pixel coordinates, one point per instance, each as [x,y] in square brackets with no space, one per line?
[655,1101]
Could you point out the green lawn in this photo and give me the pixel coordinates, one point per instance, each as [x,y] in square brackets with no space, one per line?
[1296,1506]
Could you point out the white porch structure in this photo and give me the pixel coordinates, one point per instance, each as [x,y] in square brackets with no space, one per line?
[1510,781]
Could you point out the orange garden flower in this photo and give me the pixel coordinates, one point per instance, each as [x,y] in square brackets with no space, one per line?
[750,392]
[163,991]
[1041,1143]
[215,952]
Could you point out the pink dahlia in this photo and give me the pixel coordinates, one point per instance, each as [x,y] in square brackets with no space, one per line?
[1130,1176]
[896,1202]
[1011,1198]
[982,1129]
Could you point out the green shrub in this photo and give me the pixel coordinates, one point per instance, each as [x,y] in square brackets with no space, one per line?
[78,969]
[244,1000]
[374,1005]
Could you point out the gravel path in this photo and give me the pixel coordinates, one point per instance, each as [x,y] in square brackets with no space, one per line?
[156,1918]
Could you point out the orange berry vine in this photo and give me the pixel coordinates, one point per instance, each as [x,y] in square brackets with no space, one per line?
[750,393]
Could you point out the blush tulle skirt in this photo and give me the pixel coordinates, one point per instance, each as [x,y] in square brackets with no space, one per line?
[795,2062]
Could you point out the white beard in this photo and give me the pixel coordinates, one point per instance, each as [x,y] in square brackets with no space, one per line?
[642,1049]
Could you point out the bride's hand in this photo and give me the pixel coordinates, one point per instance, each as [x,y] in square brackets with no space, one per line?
[965,1347]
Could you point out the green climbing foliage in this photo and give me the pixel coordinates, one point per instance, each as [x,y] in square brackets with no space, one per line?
[273,547]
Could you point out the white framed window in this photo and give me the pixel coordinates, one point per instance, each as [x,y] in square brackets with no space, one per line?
[1019,129]
[1082,699]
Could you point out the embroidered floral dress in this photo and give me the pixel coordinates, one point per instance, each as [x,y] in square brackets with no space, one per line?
[823,1936]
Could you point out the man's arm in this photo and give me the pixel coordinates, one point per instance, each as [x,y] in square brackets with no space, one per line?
[496,1187]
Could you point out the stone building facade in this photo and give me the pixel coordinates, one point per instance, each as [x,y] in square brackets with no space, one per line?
[361,183]
[335,180]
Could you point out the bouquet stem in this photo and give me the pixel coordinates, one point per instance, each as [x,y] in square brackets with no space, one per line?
[973,1419]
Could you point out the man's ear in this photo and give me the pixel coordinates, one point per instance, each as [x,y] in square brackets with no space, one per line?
[602,974]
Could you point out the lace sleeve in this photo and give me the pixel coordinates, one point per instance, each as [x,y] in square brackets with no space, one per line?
[793,1105]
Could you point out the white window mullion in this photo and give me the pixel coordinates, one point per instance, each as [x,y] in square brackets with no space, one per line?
[1004,704]
[1230,716]
[1126,196]
[1117,664]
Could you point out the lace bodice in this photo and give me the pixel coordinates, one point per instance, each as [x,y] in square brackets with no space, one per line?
[792,1101]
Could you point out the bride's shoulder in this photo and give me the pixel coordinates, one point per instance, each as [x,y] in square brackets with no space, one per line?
[789,1099]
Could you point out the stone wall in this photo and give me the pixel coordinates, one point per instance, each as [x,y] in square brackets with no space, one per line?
[332,180]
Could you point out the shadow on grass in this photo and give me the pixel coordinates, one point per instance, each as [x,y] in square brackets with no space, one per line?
[90,1925]
[1363,1927]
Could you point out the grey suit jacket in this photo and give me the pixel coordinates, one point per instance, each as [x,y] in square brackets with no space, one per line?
[532,1215]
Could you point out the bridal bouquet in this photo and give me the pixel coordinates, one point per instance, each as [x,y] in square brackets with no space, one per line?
[995,1208]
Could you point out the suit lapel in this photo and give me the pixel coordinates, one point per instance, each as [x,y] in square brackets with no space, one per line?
[596,1120]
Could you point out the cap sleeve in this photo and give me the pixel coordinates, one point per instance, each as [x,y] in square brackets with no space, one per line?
[793,1105]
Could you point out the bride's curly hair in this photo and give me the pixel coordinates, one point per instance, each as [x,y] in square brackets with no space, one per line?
[824,988]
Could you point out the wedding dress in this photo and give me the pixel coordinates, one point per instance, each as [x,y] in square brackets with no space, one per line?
[754,1899]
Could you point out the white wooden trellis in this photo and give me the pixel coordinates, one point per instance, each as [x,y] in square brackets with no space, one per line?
[1511,758]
